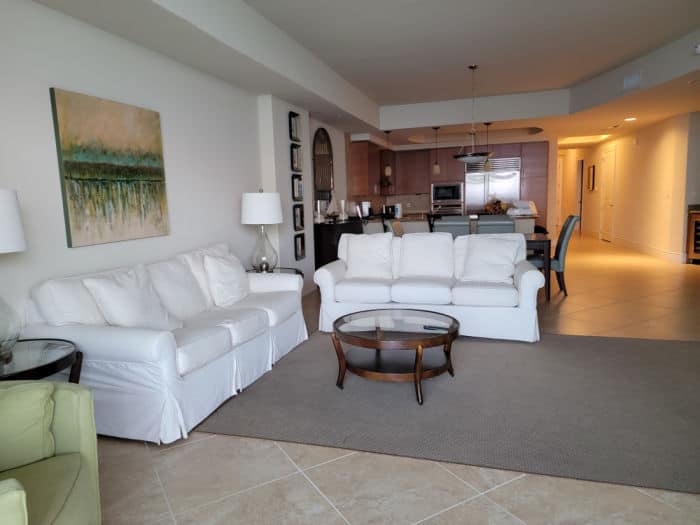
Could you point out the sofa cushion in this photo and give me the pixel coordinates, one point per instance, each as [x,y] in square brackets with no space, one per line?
[462,243]
[422,290]
[427,255]
[228,280]
[198,346]
[363,291]
[65,302]
[128,299]
[489,259]
[195,262]
[48,484]
[177,288]
[243,323]
[279,306]
[25,431]
[484,294]
[369,256]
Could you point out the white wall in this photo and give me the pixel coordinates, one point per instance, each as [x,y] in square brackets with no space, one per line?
[277,176]
[209,129]
[340,177]
[649,188]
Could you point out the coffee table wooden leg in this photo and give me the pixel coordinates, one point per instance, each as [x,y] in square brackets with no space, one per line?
[448,356]
[76,368]
[341,361]
[419,374]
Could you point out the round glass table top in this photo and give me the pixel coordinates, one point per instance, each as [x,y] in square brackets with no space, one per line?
[396,324]
[35,353]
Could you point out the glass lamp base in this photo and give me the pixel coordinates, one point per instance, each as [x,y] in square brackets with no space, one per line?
[264,258]
[9,331]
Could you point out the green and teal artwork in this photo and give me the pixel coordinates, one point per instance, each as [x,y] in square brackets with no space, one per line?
[111,164]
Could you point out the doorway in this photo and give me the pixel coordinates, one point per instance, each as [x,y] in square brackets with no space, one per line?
[607,202]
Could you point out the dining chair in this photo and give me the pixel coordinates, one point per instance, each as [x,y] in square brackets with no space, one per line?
[557,262]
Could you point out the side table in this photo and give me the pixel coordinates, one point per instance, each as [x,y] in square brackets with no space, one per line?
[279,269]
[40,358]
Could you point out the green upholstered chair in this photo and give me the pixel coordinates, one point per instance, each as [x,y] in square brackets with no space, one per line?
[48,455]
[559,259]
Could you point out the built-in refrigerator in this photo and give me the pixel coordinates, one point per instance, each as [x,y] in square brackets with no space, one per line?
[497,179]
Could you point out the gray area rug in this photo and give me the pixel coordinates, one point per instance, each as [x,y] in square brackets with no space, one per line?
[594,408]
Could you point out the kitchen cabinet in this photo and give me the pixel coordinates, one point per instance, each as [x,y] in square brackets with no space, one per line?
[412,171]
[533,177]
[363,176]
[387,156]
[451,170]
[506,151]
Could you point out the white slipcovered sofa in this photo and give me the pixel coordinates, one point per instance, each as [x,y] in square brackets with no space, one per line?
[175,358]
[484,281]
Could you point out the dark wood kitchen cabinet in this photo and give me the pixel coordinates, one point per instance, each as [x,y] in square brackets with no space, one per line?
[451,170]
[533,177]
[388,158]
[363,176]
[412,171]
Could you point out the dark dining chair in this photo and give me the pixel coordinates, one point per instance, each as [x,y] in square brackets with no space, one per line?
[557,262]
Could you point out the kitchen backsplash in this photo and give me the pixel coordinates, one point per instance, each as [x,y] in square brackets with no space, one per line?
[413,203]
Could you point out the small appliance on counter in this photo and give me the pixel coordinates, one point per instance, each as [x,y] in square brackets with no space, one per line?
[397,210]
[388,211]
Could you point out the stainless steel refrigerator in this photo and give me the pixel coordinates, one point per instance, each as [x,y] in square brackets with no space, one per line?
[498,179]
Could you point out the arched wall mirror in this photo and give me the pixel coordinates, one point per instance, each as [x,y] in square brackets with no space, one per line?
[323,165]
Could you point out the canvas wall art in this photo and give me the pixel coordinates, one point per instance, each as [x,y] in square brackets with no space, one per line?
[112,174]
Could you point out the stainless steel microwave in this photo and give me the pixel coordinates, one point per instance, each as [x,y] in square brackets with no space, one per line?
[447,198]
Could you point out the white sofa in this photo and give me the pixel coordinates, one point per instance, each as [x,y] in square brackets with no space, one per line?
[427,271]
[157,384]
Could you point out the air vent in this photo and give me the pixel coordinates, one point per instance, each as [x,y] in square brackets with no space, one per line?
[504,164]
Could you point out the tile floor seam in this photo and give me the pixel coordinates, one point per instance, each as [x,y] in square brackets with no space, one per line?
[622,327]
[233,494]
[328,500]
[457,477]
[516,478]
[447,509]
[331,460]
[165,495]
[639,489]
[505,509]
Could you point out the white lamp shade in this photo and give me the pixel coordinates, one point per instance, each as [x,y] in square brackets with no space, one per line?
[11,231]
[261,208]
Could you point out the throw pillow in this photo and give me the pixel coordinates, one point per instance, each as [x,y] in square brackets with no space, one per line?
[25,432]
[228,280]
[489,259]
[427,255]
[177,288]
[195,262]
[66,302]
[369,256]
[128,299]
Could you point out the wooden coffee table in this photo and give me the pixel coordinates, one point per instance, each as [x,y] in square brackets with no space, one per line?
[390,332]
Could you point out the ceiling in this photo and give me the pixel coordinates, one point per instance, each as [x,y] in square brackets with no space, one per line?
[406,51]
[681,95]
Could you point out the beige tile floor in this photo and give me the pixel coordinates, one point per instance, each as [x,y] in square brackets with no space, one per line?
[211,479]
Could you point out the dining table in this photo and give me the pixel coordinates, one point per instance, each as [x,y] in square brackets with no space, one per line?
[541,243]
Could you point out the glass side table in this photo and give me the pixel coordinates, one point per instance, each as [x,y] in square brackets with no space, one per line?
[40,358]
[280,269]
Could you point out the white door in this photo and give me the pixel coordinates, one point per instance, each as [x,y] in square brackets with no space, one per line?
[607,202]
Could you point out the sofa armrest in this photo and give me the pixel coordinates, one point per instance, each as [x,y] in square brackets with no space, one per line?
[13,503]
[275,282]
[528,280]
[111,343]
[326,278]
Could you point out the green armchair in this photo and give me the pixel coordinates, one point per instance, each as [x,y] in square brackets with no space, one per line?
[47,436]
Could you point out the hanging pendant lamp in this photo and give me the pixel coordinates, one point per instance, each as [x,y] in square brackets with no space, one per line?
[387,167]
[436,165]
[474,157]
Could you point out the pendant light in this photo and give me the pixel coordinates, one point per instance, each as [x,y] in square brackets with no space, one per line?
[387,167]
[475,157]
[436,166]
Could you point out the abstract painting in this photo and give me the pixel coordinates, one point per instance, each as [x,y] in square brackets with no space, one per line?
[111,163]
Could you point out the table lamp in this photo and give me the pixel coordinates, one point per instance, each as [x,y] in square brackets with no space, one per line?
[11,240]
[262,208]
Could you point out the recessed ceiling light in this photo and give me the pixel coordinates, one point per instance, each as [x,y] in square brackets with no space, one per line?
[630,119]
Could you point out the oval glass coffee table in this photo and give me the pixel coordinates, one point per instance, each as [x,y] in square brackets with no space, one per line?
[40,358]
[391,332]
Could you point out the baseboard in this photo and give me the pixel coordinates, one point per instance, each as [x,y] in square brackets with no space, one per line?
[674,257]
